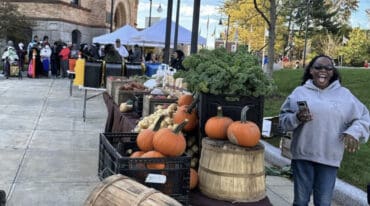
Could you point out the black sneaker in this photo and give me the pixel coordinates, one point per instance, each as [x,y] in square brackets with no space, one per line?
[2,198]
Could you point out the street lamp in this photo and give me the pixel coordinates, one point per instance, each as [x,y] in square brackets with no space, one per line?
[159,10]
[227,28]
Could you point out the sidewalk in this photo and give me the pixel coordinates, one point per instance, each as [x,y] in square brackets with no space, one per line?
[49,156]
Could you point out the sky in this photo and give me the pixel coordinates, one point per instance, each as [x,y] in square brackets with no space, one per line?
[210,9]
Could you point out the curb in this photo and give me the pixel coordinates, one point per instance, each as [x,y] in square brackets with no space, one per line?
[344,193]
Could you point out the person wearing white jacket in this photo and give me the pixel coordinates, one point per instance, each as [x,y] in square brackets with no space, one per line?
[9,57]
[334,120]
[45,54]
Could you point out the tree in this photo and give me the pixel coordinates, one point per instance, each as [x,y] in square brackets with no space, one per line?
[254,17]
[12,22]
[357,48]
[271,22]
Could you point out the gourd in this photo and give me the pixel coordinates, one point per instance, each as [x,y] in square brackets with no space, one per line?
[186,112]
[144,139]
[243,132]
[216,127]
[193,178]
[154,154]
[170,142]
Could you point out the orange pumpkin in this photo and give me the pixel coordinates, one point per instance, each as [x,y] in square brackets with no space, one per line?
[170,143]
[137,154]
[216,127]
[185,99]
[144,139]
[186,112]
[154,154]
[243,132]
[193,178]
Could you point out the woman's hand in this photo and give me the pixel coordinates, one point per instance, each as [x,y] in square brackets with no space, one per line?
[350,143]
[304,115]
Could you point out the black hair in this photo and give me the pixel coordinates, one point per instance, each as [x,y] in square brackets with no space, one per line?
[180,53]
[307,75]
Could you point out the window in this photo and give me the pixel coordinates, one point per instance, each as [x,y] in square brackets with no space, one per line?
[74,2]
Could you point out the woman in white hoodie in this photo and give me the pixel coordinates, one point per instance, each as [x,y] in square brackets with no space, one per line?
[333,120]
[45,54]
[9,57]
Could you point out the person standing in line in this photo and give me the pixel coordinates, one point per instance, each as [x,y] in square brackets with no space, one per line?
[177,58]
[332,120]
[121,49]
[45,55]
[32,44]
[112,55]
[21,52]
[9,58]
[64,64]
[136,56]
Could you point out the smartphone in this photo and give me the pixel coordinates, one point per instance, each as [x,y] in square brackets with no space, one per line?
[302,105]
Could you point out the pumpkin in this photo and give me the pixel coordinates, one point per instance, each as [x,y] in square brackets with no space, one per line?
[185,99]
[186,112]
[154,154]
[216,127]
[243,132]
[137,154]
[144,139]
[170,142]
[193,178]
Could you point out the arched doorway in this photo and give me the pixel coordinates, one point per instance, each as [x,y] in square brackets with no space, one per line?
[76,37]
[121,15]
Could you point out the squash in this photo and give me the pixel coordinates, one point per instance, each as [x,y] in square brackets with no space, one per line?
[216,127]
[186,112]
[144,139]
[154,154]
[193,178]
[170,142]
[137,154]
[185,99]
[243,132]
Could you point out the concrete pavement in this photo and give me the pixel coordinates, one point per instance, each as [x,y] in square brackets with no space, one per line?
[49,156]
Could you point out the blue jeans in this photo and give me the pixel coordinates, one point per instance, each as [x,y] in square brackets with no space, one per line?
[313,177]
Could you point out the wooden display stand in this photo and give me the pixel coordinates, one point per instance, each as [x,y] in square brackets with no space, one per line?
[149,104]
[230,172]
[121,190]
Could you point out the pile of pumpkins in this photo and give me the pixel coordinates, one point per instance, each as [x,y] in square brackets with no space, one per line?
[244,133]
[160,134]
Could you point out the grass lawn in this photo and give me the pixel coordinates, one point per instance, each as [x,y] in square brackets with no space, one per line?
[355,167]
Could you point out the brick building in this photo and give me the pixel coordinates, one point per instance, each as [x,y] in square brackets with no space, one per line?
[76,21]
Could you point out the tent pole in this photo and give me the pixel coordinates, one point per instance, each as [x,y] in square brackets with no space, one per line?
[177,25]
[168,32]
[195,29]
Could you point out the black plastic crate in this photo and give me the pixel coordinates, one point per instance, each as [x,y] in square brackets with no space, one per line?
[114,160]
[208,103]
[133,69]
[93,74]
[112,70]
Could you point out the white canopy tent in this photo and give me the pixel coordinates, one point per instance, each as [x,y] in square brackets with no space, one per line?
[124,34]
[156,34]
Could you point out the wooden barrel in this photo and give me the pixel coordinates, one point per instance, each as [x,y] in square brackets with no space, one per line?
[231,172]
[120,190]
